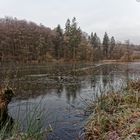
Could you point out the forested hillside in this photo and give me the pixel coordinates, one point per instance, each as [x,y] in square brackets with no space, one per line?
[26,42]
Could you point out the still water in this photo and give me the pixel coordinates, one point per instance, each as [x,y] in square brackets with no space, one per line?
[56,98]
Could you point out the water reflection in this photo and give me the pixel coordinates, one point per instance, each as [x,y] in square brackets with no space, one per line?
[30,82]
[60,90]
[71,91]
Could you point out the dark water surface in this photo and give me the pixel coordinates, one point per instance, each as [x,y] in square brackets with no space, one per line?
[56,97]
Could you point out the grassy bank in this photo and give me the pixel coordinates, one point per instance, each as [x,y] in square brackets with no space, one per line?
[116,115]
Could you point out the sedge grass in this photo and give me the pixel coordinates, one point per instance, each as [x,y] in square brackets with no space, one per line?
[115,116]
[34,126]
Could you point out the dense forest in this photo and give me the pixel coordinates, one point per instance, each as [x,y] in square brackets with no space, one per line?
[27,42]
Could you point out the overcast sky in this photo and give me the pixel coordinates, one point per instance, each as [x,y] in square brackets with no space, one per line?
[120,18]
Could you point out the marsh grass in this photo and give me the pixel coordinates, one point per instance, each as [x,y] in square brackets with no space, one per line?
[33,133]
[10,129]
[34,126]
[116,115]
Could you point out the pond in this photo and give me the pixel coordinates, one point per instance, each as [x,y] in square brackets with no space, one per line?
[58,95]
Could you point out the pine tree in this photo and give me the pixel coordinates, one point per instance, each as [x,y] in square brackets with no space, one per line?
[94,40]
[67,26]
[67,39]
[59,42]
[95,43]
[112,45]
[72,37]
[105,45]
[75,37]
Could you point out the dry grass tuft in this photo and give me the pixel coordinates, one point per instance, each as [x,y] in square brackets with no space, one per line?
[116,116]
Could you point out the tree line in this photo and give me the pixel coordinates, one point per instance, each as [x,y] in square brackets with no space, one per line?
[26,42]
